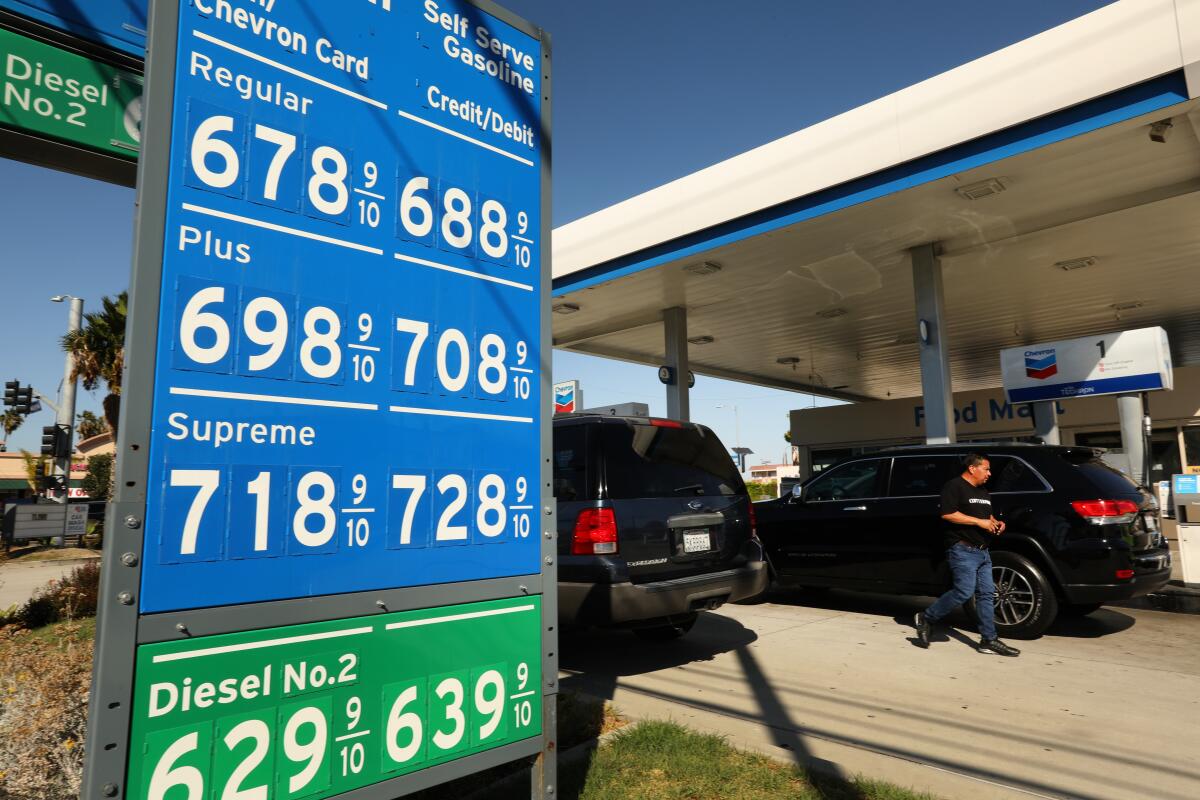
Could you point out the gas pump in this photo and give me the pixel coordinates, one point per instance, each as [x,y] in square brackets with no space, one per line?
[1186,489]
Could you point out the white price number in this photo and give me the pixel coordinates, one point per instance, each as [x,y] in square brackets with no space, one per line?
[459,227]
[405,724]
[453,360]
[490,516]
[522,520]
[358,528]
[305,743]
[217,163]
[320,354]
[313,521]
[364,363]
[522,709]
[353,755]
[522,251]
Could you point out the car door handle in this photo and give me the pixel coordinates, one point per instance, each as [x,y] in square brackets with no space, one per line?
[855,508]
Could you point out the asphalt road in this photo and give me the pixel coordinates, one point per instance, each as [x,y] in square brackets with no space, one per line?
[1107,706]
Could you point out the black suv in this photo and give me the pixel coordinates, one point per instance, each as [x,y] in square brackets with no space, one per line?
[654,524]
[1079,533]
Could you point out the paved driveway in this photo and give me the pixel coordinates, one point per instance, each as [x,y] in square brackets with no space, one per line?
[18,581]
[1103,707]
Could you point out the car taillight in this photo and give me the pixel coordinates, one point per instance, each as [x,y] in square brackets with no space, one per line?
[753,523]
[1124,574]
[665,423]
[595,532]
[1101,512]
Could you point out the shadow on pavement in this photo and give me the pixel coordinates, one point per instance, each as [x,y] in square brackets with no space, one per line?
[598,659]
[902,608]
[598,655]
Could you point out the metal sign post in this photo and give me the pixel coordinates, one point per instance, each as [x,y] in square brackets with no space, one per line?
[331,566]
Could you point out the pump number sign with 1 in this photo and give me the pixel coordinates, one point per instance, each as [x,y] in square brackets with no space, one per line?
[347,380]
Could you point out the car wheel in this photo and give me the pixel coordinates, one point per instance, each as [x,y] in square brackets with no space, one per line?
[1025,603]
[677,627]
[1078,609]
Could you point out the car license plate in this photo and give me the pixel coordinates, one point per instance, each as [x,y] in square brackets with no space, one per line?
[697,541]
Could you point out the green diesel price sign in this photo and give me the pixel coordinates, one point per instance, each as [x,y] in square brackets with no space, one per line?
[50,92]
[310,711]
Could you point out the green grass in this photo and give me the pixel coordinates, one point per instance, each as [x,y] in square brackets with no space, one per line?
[664,761]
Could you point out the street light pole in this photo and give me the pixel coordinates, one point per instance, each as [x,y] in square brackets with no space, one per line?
[737,424]
[66,408]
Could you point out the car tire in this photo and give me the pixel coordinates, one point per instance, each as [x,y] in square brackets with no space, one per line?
[1025,601]
[1078,609]
[676,628]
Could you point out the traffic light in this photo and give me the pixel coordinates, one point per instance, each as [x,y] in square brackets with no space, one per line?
[54,441]
[24,400]
[10,392]
[44,480]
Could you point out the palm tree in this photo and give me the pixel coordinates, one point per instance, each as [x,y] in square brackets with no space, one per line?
[10,420]
[98,352]
[31,463]
[90,425]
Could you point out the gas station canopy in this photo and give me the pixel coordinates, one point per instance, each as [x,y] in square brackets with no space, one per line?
[1059,179]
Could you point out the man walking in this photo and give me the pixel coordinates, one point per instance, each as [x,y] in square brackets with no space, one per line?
[969,526]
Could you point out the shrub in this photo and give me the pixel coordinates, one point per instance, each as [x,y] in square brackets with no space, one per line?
[73,596]
[37,612]
[43,715]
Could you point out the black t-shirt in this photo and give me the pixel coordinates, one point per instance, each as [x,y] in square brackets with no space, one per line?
[974,501]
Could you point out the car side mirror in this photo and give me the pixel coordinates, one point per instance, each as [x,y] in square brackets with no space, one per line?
[797,494]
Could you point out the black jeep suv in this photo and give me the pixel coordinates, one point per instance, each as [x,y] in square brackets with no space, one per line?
[1079,533]
[654,524]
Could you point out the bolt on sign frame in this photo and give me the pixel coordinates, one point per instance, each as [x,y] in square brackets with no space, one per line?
[331,562]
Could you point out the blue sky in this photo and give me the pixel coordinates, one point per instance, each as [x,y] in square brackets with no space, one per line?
[644,92]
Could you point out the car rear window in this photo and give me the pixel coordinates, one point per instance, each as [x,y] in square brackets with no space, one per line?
[570,463]
[652,461]
[1107,480]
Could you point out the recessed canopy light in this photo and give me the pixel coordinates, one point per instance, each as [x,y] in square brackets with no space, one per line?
[564,308]
[787,360]
[1128,305]
[1075,263]
[703,268]
[701,340]
[831,313]
[981,189]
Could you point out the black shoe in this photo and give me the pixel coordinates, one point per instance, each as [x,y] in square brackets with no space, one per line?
[997,648]
[922,625]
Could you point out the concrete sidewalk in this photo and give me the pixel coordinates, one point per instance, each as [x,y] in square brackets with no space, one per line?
[1103,707]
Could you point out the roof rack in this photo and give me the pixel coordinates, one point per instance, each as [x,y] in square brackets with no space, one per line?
[974,446]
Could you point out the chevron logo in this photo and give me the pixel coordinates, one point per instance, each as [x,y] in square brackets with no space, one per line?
[564,399]
[1041,364]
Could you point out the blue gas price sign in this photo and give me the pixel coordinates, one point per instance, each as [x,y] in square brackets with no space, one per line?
[347,386]
[120,24]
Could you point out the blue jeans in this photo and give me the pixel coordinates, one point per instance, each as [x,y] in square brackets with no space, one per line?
[972,571]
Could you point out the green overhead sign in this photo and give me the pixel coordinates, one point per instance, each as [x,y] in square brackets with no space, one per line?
[56,94]
[323,708]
